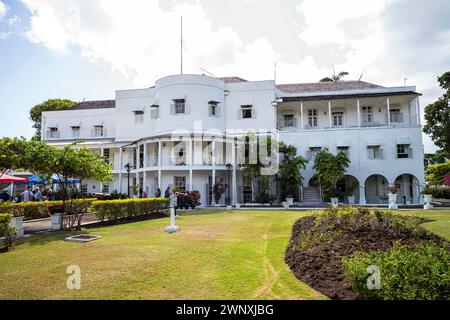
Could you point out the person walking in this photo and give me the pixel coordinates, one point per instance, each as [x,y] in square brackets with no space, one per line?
[27,195]
[158,193]
[167,193]
[5,195]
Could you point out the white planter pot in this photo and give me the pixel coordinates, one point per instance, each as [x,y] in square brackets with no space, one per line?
[351,199]
[427,199]
[334,201]
[285,205]
[135,196]
[393,201]
[290,201]
[238,206]
[56,221]
[17,222]
[229,208]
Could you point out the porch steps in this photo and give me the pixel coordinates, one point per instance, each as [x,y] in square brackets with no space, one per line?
[311,195]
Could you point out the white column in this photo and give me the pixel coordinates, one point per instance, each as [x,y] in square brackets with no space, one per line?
[159,164]
[190,179]
[388,109]
[358,110]
[137,164]
[102,153]
[418,111]
[302,117]
[144,174]
[120,169]
[213,160]
[329,114]
[362,194]
[234,190]
[145,156]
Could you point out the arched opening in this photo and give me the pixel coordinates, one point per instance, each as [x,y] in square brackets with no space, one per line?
[349,187]
[313,182]
[376,189]
[409,189]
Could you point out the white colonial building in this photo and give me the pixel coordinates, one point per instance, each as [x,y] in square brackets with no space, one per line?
[184,132]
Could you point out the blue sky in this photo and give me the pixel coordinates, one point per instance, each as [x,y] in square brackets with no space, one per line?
[86,49]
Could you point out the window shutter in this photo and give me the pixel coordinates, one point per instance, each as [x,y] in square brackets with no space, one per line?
[209,111]
[172,109]
[239,114]
[308,155]
[369,154]
[186,109]
[218,110]
[381,151]
[253,113]
[410,153]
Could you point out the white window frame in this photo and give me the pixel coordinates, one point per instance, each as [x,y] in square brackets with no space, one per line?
[375,153]
[138,116]
[403,151]
[338,118]
[179,182]
[54,132]
[179,106]
[245,109]
[313,119]
[367,114]
[98,131]
[76,131]
[214,109]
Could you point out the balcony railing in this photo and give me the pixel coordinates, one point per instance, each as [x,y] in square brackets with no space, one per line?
[287,123]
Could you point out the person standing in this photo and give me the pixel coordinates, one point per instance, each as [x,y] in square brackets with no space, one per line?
[27,195]
[37,194]
[167,193]
[158,193]
[5,195]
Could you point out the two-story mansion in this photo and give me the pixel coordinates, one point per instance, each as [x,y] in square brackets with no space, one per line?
[377,127]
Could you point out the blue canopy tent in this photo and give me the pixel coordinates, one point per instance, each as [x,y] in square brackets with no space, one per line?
[41,180]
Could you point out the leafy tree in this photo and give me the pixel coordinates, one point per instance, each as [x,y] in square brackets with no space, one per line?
[329,170]
[12,151]
[335,77]
[49,105]
[289,177]
[436,173]
[434,158]
[437,117]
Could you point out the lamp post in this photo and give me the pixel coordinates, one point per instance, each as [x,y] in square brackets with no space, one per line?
[128,168]
[229,168]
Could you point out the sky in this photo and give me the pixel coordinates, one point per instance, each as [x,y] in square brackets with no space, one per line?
[86,49]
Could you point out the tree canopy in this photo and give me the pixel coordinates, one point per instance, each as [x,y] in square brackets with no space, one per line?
[436,173]
[289,175]
[49,105]
[437,117]
[335,77]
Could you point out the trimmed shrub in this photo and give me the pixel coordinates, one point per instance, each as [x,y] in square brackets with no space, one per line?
[128,208]
[438,192]
[42,209]
[7,233]
[406,272]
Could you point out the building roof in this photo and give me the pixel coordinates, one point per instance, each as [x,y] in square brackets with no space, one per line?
[232,79]
[99,104]
[326,86]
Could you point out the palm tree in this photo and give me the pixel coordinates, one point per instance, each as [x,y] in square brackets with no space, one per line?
[335,78]
[330,169]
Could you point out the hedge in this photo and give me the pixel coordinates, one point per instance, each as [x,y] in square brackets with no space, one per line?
[7,233]
[42,209]
[406,272]
[128,208]
[438,192]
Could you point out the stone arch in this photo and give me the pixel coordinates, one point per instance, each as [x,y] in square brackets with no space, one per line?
[349,186]
[409,189]
[376,189]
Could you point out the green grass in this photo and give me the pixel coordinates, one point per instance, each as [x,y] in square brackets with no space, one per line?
[218,255]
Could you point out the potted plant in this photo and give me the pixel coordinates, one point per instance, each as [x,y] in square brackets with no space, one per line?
[351,192]
[135,191]
[392,189]
[334,196]
[290,199]
[56,211]
[218,190]
[427,197]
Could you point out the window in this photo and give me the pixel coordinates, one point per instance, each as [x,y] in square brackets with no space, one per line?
[247,111]
[98,131]
[105,188]
[403,151]
[154,111]
[84,189]
[75,131]
[180,154]
[312,118]
[138,116]
[213,108]
[53,132]
[375,153]
[180,106]
[338,119]
[289,120]
[180,183]
[367,114]
[106,155]
[344,150]
[312,153]
[395,115]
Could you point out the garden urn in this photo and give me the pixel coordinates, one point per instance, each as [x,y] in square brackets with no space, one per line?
[427,199]
[393,201]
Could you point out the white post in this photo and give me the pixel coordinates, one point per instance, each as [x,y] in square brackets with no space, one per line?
[144,177]
[213,160]
[138,164]
[362,195]
[190,180]
[102,153]
[302,117]
[234,190]
[145,156]
[159,163]
[388,108]
[120,169]
[172,228]
[359,113]
[329,114]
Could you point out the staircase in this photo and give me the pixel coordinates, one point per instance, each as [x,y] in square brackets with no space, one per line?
[311,195]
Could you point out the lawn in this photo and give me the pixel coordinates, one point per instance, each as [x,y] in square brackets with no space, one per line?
[218,255]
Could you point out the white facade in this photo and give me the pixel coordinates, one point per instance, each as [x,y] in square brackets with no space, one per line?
[378,127]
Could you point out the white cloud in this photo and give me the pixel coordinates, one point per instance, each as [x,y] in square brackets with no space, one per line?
[3,9]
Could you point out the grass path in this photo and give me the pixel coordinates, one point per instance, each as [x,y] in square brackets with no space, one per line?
[218,255]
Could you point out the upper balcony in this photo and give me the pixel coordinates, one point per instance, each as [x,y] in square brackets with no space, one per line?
[364,112]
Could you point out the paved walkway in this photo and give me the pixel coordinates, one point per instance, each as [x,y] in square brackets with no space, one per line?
[43,225]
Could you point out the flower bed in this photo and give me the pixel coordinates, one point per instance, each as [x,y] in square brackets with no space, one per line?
[128,208]
[320,243]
